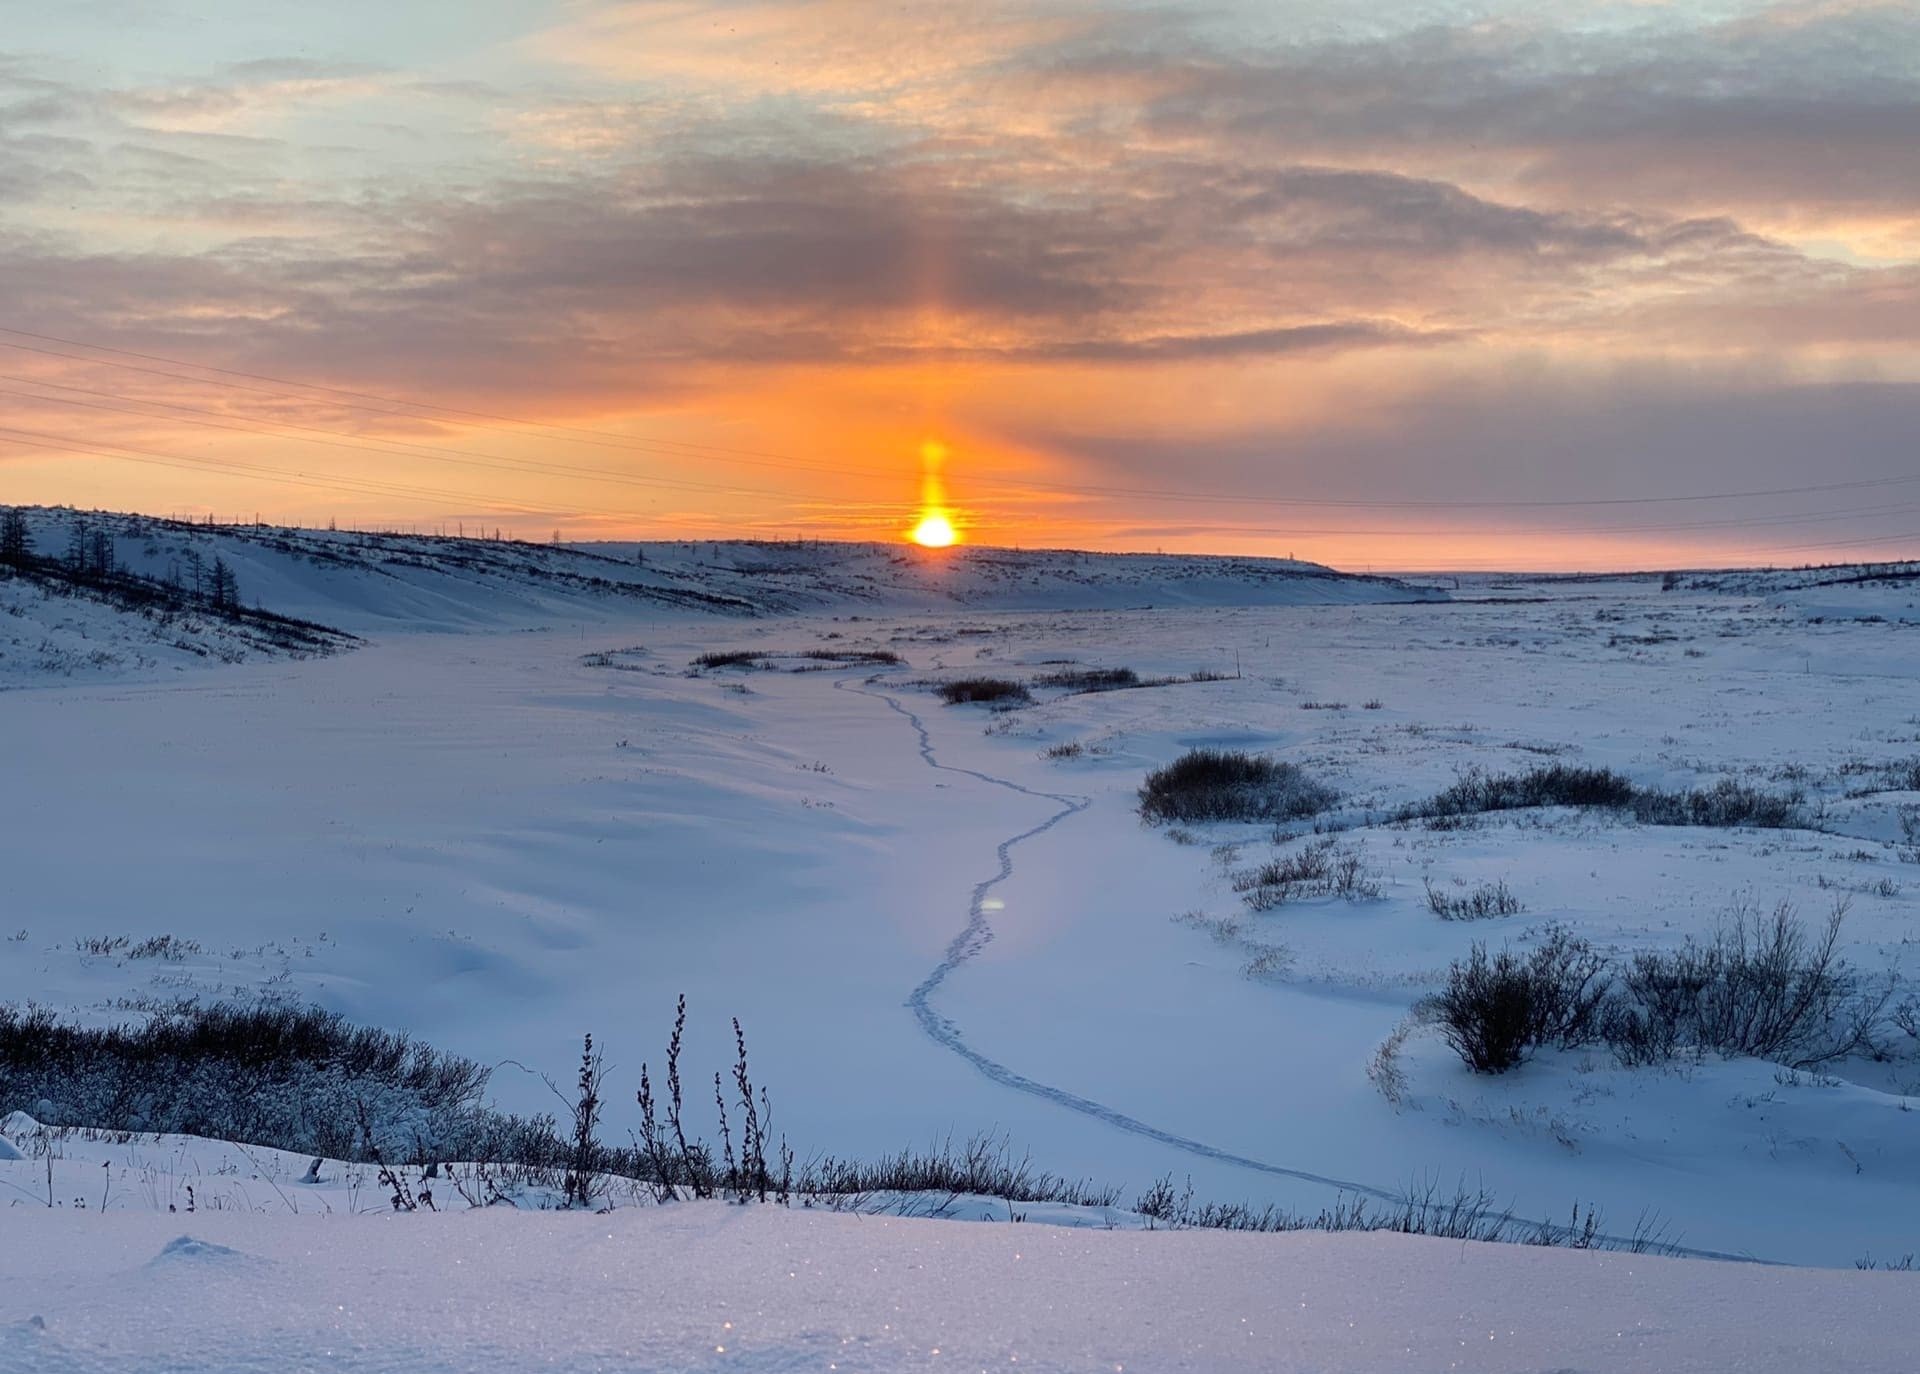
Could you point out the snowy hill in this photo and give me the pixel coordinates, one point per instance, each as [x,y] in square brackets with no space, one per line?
[58,627]
[1768,581]
[174,1252]
[371,582]
[1844,591]
[707,1286]
[811,576]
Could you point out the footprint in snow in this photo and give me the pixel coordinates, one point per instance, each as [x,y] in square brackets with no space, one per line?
[191,1248]
[25,1337]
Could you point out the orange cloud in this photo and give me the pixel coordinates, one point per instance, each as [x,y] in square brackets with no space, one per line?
[1153,280]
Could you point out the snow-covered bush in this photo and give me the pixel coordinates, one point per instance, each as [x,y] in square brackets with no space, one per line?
[1762,986]
[1228,785]
[1555,784]
[1495,1011]
[1090,679]
[1726,803]
[1479,904]
[1324,868]
[294,1078]
[992,690]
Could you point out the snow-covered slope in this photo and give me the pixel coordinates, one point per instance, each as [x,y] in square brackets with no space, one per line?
[173,1252]
[1765,581]
[1848,591]
[706,1286]
[56,629]
[813,576]
[374,582]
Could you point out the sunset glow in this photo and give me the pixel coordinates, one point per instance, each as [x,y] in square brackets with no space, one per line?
[934,531]
[1387,286]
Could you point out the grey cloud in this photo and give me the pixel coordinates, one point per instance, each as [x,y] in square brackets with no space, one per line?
[1222,243]
[759,233]
[48,107]
[1328,337]
[748,260]
[261,70]
[1826,108]
[1369,210]
[1540,434]
[33,166]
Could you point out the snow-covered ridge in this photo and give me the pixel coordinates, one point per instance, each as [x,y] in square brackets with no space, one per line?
[1766,581]
[1847,591]
[707,1286]
[83,614]
[148,1252]
[368,582]
[54,631]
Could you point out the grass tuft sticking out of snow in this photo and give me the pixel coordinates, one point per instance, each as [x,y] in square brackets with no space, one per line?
[1481,903]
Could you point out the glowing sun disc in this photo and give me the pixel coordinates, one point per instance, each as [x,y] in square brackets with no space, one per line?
[934,531]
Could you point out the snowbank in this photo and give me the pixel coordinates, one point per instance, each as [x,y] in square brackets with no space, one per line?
[711,1287]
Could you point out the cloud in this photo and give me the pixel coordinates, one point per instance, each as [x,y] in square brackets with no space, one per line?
[838,50]
[697,217]
[1335,252]
[714,258]
[1305,338]
[1539,432]
[245,95]
[1814,112]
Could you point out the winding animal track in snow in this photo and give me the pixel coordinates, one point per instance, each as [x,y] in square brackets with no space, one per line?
[978,933]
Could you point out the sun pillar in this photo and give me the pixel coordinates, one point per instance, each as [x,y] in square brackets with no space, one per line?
[935,529]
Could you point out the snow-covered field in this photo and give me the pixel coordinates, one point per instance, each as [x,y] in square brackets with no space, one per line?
[721,1288]
[939,920]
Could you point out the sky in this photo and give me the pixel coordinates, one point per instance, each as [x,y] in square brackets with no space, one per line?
[1545,284]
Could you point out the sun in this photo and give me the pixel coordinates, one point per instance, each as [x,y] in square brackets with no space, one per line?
[934,531]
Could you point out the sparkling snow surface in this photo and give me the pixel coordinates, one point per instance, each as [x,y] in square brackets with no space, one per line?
[711,1287]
